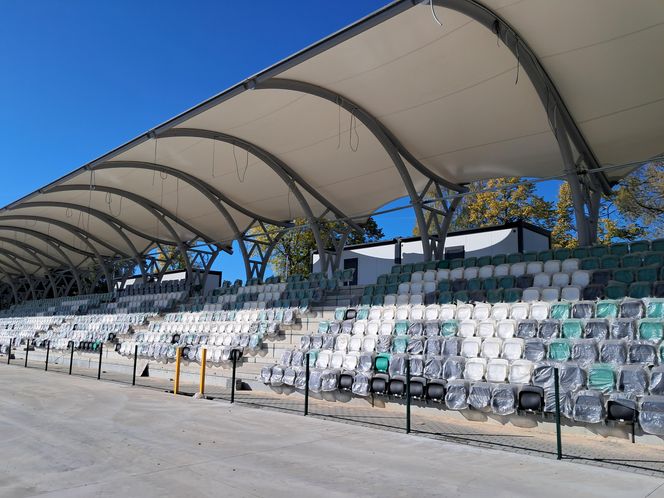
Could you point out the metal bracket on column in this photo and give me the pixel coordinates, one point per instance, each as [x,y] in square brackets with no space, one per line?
[438,213]
[260,240]
[337,241]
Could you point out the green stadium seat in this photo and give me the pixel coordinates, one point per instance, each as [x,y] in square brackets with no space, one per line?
[449,328]
[580,252]
[445,297]
[393,278]
[601,377]
[562,253]
[490,283]
[640,290]
[653,259]
[478,296]
[530,256]
[382,362]
[559,350]
[362,313]
[631,261]
[470,262]
[609,262]
[407,268]
[657,245]
[616,290]
[499,259]
[507,282]
[647,274]
[366,300]
[381,280]
[514,258]
[598,251]
[418,266]
[512,295]
[590,263]
[445,285]
[655,308]
[380,289]
[404,277]
[430,265]
[624,275]
[639,246]
[456,263]
[401,327]
[607,309]
[368,290]
[396,269]
[651,329]
[484,261]
[474,284]
[619,248]
[545,256]
[378,300]
[462,296]
[661,353]
[572,329]
[494,296]
[392,289]
[443,264]
[560,311]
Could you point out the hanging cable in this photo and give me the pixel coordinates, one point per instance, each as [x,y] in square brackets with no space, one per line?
[214,162]
[237,167]
[339,122]
[433,13]
[518,61]
[352,130]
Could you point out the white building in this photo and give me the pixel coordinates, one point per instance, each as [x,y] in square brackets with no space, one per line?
[376,258]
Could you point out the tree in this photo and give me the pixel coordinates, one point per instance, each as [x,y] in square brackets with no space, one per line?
[563,232]
[640,198]
[499,201]
[292,254]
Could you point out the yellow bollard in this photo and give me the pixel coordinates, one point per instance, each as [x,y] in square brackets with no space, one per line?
[201,388]
[176,383]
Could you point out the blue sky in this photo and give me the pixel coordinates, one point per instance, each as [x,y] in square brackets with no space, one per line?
[78,78]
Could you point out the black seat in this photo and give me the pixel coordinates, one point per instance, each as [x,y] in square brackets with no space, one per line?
[380,384]
[435,390]
[531,399]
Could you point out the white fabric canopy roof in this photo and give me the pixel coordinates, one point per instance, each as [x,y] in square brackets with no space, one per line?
[307,137]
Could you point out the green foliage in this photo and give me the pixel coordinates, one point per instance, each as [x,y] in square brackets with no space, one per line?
[292,254]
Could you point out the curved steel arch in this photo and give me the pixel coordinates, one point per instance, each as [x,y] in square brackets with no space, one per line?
[379,131]
[78,232]
[283,170]
[10,255]
[55,244]
[34,252]
[157,211]
[206,190]
[11,283]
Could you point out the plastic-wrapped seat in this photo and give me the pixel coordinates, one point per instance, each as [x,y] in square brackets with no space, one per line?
[642,352]
[479,396]
[453,367]
[520,372]
[548,329]
[415,328]
[491,347]
[651,415]
[589,407]
[601,377]
[486,328]
[543,375]
[471,346]
[432,328]
[506,329]
[452,346]
[434,345]
[651,330]
[583,310]
[622,328]
[597,328]
[512,348]
[526,329]
[456,395]
[362,383]
[559,350]
[572,377]
[655,307]
[475,369]
[416,345]
[503,399]
[632,379]
[584,351]
[534,350]
[497,370]
[433,367]
[467,328]
[400,344]
[572,328]
[613,351]
[632,308]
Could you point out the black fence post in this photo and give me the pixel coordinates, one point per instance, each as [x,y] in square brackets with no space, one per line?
[556,385]
[306,386]
[101,348]
[408,396]
[71,357]
[133,376]
[27,348]
[48,350]
[234,354]
[9,351]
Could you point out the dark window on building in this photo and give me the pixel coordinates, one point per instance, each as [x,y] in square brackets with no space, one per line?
[351,263]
